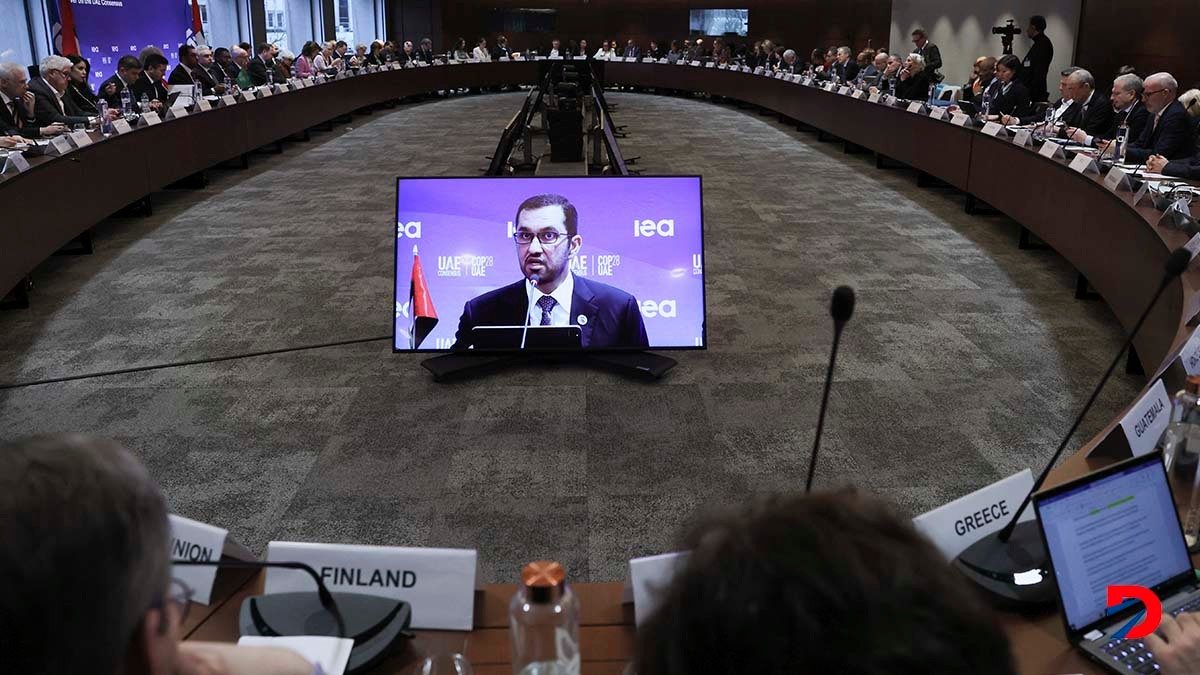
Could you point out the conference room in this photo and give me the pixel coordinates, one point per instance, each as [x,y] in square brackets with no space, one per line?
[635,337]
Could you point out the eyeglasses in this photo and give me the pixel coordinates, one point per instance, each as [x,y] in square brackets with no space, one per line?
[180,595]
[547,237]
[1151,93]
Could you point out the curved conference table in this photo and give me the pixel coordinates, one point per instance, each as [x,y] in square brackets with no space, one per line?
[1114,243]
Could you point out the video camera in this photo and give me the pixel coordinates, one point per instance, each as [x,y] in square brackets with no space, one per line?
[1007,32]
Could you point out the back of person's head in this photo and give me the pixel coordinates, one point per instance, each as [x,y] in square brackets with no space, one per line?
[1191,101]
[154,61]
[832,582]
[83,555]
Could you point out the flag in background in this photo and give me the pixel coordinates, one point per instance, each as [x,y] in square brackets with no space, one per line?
[420,303]
[195,36]
[62,27]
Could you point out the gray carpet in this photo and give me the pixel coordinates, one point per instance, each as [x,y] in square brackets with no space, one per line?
[965,360]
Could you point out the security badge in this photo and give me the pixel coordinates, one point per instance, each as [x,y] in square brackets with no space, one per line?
[581,320]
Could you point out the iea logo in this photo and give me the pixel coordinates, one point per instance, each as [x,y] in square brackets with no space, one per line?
[1144,622]
[411,229]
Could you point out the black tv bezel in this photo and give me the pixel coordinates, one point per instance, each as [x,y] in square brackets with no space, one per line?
[589,350]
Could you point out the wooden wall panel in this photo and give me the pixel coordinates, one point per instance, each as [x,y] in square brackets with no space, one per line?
[1151,35]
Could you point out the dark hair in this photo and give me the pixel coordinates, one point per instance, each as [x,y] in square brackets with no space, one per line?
[76,59]
[570,215]
[1010,61]
[921,32]
[1038,21]
[83,553]
[184,50]
[310,48]
[340,43]
[129,62]
[220,50]
[244,45]
[831,582]
[1068,70]
[262,47]
[1126,70]
[155,60]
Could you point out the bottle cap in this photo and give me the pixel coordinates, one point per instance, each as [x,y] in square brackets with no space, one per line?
[1193,384]
[544,580]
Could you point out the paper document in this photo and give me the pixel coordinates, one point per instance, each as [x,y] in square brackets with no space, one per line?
[331,653]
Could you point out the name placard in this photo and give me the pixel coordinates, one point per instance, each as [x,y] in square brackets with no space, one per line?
[80,139]
[266,91]
[1140,194]
[938,113]
[1023,138]
[722,66]
[648,578]
[1147,419]
[176,112]
[15,162]
[916,107]
[995,130]
[966,520]
[694,63]
[228,99]
[710,64]
[196,541]
[439,583]
[745,69]
[149,119]
[874,98]
[59,145]
[960,119]
[1051,150]
[758,70]
[1084,164]
[1116,179]
[843,90]
[859,94]
[1189,356]
[202,104]
[1193,245]
[779,75]
[121,126]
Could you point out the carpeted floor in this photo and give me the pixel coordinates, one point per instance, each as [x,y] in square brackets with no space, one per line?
[964,362]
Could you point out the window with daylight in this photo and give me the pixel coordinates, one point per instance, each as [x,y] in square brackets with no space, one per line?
[342,15]
[276,14]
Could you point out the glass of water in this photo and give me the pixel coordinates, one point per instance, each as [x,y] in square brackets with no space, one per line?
[445,664]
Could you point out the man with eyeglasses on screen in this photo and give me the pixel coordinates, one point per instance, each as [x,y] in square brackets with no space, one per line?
[85,572]
[546,234]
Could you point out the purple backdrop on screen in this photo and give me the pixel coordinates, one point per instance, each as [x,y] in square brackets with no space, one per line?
[642,235]
[110,29]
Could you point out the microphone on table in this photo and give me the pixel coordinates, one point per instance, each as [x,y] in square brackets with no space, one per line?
[1011,565]
[376,624]
[533,279]
[840,308]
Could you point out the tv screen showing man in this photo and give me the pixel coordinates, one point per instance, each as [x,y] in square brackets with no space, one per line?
[601,263]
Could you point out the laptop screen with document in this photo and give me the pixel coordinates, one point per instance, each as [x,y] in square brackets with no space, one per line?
[1117,526]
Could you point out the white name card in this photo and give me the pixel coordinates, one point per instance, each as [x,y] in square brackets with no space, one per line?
[779,75]
[439,583]
[710,64]
[202,104]
[843,90]
[648,578]
[859,94]
[758,70]
[966,520]
[121,126]
[196,541]
[995,130]
[1116,179]
[176,112]
[1084,164]
[1023,138]
[1189,356]
[874,98]
[1193,245]
[1051,150]
[15,162]
[745,69]
[59,145]
[80,139]
[266,91]
[694,63]
[1147,419]
[916,107]
[332,654]
[1141,193]
[960,119]
[149,119]
[938,113]
[228,99]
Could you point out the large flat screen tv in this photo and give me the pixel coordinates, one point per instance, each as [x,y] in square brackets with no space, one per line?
[719,22]
[501,264]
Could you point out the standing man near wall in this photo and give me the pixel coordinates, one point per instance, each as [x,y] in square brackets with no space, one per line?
[1037,62]
[929,52]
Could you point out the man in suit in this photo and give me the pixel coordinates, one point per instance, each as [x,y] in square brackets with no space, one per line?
[1089,111]
[1126,102]
[189,71]
[929,52]
[983,73]
[425,52]
[261,64]
[129,71]
[1169,131]
[1037,61]
[547,238]
[844,68]
[17,105]
[790,63]
[1059,108]
[631,49]
[224,67]
[151,83]
[556,50]
[204,59]
[49,89]
[501,50]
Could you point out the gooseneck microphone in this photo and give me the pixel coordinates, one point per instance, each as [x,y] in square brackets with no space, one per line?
[1011,565]
[533,279]
[840,308]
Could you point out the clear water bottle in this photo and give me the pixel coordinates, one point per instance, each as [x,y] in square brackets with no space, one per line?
[933,94]
[1122,140]
[1049,117]
[144,103]
[106,128]
[1181,454]
[987,102]
[126,101]
[543,621]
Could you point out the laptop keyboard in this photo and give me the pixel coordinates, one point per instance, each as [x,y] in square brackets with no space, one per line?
[1132,655]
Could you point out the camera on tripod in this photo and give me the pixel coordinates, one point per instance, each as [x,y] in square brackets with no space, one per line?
[1007,32]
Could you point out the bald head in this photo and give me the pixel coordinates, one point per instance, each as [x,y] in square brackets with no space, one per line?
[1159,91]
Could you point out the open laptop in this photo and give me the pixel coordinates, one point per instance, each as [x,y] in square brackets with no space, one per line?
[1117,526]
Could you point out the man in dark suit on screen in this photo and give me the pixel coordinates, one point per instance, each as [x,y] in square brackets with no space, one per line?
[546,232]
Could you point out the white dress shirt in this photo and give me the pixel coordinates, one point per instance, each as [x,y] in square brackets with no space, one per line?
[57,96]
[481,54]
[560,314]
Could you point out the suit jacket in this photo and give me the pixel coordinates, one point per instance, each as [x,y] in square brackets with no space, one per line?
[933,60]
[152,90]
[915,88]
[1038,118]
[199,76]
[114,101]
[425,55]
[1184,168]
[1014,102]
[498,52]
[258,71]
[29,127]
[46,109]
[630,51]
[1172,138]
[968,94]
[1035,67]
[83,98]
[614,319]
[795,68]
[218,72]
[846,72]
[1098,116]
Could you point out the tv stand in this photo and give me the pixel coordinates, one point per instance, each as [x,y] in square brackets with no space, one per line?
[459,365]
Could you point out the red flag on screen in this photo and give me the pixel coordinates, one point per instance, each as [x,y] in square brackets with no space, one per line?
[420,303]
[196,36]
[66,40]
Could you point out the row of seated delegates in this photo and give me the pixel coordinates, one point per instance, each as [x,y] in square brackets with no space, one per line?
[830,582]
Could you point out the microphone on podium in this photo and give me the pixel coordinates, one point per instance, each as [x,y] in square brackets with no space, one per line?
[840,308]
[1011,565]
[534,279]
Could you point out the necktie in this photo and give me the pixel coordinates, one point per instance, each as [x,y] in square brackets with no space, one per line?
[547,303]
[15,115]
